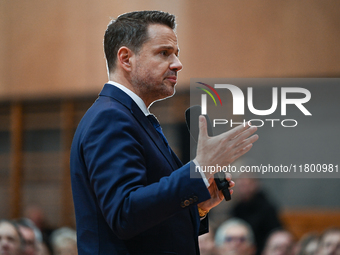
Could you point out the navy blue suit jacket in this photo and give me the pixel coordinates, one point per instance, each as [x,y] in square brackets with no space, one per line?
[131,195]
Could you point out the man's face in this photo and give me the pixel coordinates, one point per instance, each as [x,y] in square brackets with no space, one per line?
[280,244]
[29,237]
[206,244]
[330,244]
[9,240]
[155,66]
[236,242]
[67,248]
[311,247]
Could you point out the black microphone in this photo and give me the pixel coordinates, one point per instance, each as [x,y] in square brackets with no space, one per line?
[192,119]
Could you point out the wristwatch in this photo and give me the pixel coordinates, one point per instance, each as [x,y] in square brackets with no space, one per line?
[201,212]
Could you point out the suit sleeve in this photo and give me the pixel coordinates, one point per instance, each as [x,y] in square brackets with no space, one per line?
[116,161]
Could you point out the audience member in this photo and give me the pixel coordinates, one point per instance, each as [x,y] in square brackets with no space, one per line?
[43,249]
[11,241]
[329,242]
[33,239]
[207,244]
[253,207]
[307,245]
[64,241]
[31,234]
[36,214]
[235,237]
[280,242]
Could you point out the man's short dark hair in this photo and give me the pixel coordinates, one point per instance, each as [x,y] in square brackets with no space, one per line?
[130,30]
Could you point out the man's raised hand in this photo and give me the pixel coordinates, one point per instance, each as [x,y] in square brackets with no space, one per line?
[223,149]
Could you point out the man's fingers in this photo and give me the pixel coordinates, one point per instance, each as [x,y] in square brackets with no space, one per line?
[241,137]
[227,176]
[246,142]
[231,184]
[220,195]
[224,148]
[242,151]
[235,131]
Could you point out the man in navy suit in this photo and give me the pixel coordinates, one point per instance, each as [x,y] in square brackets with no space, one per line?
[132,194]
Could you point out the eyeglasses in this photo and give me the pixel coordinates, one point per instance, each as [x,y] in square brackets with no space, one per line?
[239,239]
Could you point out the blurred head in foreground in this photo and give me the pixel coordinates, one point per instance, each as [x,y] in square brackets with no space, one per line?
[64,241]
[280,242]
[235,237]
[207,244]
[330,242]
[31,235]
[308,244]
[11,242]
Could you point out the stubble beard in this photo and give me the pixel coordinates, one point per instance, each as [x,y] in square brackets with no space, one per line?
[150,89]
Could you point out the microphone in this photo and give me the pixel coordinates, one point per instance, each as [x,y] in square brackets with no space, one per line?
[191,117]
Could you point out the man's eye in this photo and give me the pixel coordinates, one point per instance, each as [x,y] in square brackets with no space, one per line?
[164,53]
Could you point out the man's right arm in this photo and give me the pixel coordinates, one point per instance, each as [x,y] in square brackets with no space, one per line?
[116,158]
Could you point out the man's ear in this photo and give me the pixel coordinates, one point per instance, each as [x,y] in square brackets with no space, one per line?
[124,56]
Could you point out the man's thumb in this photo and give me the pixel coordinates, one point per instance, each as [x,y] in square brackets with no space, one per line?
[203,128]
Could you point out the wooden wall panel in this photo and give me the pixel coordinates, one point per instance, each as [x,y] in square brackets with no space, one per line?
[263,39]
[16,168]
[3,47]
[54,48]
[302,222]
[67,116]
[47,47]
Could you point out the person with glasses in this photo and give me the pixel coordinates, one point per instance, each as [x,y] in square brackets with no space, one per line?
[235,237]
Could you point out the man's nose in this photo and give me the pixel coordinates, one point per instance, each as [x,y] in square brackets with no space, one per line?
[176,64]
[4,245]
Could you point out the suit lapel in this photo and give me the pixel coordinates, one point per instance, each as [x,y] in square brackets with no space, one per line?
[117,94]
[123,98]
[145,123]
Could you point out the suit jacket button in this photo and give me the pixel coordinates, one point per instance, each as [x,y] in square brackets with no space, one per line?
[191,200]
[195,198]
[187,202]
[182,205]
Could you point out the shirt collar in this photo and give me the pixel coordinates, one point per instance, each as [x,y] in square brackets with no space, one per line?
[133,96]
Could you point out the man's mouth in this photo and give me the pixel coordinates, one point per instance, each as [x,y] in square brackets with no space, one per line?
[172,79]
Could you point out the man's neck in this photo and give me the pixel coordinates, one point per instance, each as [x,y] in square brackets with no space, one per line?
[126,82]
[121,79]
[133,96]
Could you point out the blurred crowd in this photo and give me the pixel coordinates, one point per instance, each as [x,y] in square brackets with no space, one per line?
[236,237]
[254,228]
[30,236]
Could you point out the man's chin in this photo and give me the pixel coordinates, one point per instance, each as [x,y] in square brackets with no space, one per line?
[169,89]
[172,92]
[166,95]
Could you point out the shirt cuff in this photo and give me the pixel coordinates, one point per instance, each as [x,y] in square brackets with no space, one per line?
[206,182]
[202,218]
